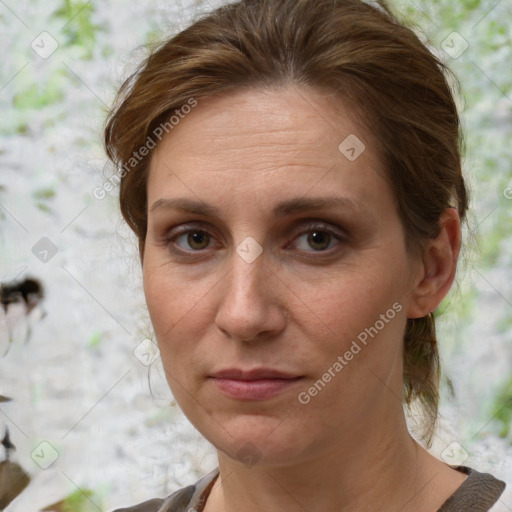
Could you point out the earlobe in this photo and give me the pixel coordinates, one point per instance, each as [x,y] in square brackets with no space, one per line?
[439,266]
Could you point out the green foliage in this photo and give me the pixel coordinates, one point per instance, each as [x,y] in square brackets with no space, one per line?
[502,409]
[154,36]
[38,95]
[22,129]
[95,340]
[79,28]
[41,196]
[77,501]
[43,207]
[44,193]
[81,500]
[470,5]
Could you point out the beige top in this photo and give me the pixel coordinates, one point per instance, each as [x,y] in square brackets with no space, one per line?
[478,493]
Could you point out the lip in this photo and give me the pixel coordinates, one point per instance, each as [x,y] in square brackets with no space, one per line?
[254,374]
[255,384]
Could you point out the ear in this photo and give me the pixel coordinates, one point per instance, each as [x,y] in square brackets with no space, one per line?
[437,272]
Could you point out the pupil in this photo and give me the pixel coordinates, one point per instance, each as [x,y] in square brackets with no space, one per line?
[316,237]
[197,237]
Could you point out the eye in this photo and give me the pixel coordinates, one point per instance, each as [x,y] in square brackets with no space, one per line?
[197,239]
[319,238]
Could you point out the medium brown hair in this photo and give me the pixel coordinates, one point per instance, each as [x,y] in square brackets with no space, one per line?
[358,51]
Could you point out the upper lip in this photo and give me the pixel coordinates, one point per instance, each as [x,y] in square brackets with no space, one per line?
[254,374]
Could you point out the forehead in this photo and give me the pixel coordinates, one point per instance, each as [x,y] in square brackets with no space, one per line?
[289,140]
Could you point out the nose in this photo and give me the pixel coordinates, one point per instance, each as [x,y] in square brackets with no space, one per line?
[252,305]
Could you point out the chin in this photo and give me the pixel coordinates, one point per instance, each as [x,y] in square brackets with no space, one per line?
[257,440]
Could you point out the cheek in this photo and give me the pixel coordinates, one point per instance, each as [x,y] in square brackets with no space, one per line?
[160,302]
[168,312]
[172,296]
[359,316]
[345,301]
[168,305]
[178,305]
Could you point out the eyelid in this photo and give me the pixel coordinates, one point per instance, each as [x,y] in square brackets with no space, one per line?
[321,225]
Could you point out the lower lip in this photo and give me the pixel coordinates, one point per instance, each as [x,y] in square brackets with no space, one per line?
[262,389]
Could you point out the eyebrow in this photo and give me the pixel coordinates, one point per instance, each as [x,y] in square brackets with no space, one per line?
[288,207]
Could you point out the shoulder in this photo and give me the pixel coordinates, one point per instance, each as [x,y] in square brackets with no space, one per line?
[181,500]
[504,503]
[480,492]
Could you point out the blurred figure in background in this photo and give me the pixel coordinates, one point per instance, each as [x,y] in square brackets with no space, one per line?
[13,479]
[21,309]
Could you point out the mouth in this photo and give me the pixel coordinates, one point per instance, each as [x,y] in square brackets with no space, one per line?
[257,384]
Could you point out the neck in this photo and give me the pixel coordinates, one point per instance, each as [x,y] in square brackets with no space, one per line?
[368,469]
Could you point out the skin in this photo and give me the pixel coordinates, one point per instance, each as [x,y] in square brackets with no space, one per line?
[296,307]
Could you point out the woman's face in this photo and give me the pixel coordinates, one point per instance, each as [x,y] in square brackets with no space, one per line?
[233,280]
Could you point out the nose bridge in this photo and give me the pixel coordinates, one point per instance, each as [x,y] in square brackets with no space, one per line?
[246,278]
[249,303]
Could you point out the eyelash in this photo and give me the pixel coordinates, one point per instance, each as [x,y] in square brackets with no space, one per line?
[170,241]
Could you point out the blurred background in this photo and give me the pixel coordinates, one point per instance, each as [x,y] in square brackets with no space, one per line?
[90,422]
